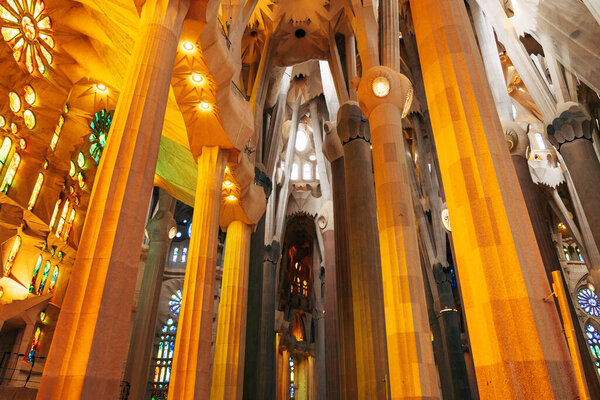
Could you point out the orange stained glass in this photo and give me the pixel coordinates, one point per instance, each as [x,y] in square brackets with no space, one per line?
[14,102]
[10,174]
[12,255]
[36,191]
[29,118]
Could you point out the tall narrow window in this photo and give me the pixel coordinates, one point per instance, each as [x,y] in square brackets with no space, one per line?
[295,173]
[57,130]
[317,176]
[184,254]
[292,377]
[4,150]
[307,171]
[53,279]
[36,270]
[539,139]
[44,278]
[55,213]
[12,255]
[163,358]
[63,218]
[10,174]
[34,344]
[175,302]
[593,339]
[175,254]
[69,224]
[36,191]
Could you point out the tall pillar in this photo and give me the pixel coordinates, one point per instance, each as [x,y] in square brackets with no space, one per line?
[96,308]
[142,337]
[318,140]
[190,376]
[230,345]
[365,267]
[412,372]
[390,34]
[518,347]
[341,377]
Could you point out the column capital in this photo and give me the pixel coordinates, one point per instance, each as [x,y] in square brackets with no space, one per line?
[325,217]
[272,252]
[160,225]
[382,85]
[352,123]
[516,138]
[332,146]
[571,121]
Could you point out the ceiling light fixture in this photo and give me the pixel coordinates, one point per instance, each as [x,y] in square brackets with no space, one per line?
[204,106]
[198,79]
[188,47]
[227,184]
[101,88]
[381,86]
[231,197]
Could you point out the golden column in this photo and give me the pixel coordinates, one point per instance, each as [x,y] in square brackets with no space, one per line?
[519,350]
[86,355]
[228,367]
[190,376]
[384,96]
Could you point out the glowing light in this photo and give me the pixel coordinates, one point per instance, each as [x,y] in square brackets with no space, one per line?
[53,279]
[1,292]
[36,191]
[81,179]
[2,121]
[38,264]
[231,198]
[22,143]
[14,128]
[446,219]
[312,157]
[42,316]
[55,213]
[188,47]
[381,86]
[198,79]
[172,232]
[44,278]
[69,224]
[14,102]
[227,184]
[57,130]
[10,174]
[81,160]
[101,88]
[301,140]
[34,344]
[29,94]
[4,150]
[63,218]
[204,106]
[12,255]
[29,119]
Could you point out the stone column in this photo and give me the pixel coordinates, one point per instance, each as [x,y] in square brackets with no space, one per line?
[412,373]
[389,34]
[571,133]
[230,345]
[142,337]
[594,7]
[318,140]
[95,312]
[365,267]
[341,377]
[190,373]
[501,275]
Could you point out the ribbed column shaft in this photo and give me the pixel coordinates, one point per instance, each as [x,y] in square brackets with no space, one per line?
[230,345]
[411,365]
[501,274]
[96,308]
[389,38]
[318,140]
[190,376]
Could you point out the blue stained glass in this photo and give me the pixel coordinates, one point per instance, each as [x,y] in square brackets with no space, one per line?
[175,302]
[168,376]
[171,347]
[160,349]
[589,301]
[591,331]
[172,329]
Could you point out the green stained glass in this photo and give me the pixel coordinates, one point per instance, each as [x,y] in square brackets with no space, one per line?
[38,264]
[81,179]
[100,126]
[81,160]
[93,138]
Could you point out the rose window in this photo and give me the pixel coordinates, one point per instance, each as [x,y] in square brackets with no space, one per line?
[588,300]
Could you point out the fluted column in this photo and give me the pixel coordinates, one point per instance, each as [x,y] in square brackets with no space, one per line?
[341,376]
[96,308]
[230,345]
[412,372]
[502,278]
[142,336]
[389,34]
[365,267]
[190,376]
[318,140]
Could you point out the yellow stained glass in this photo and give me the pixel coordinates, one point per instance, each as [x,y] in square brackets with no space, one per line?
[14,128]
[29,118]
[57,130]
[18,49]
[9,34]
[2,121]
[14,102]
[5,149]
[12,255]
[36,191]
[63,218]
[7,15]
[22,143]
[10,174]
[69,224]
[55,213]
[29,94]
[46,54]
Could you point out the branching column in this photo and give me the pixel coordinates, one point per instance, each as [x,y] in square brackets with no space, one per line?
[230,345]
[95,314]
[365,268]
[410,354]
[190,376]
[142,337]
[519,350]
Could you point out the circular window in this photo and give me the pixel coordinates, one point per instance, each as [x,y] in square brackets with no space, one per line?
[589,301]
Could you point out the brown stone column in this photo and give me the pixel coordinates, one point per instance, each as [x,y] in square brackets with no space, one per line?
[518,347]
[142,337]
[190,376]
[95,312]
[341,377]
[365,267]
[230,345]
[410,354]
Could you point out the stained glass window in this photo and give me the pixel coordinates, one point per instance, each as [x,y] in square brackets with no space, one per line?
[36,270]
[588,300]
[14,101]
[81,179]
[184,254]
[69,225]
[567,255]
[175,302]
[29,119]
[12,255]
[161,374]
[10,174]
[4,150]
[57,130]
[72,169]
[44,278]
[29,94]
[63,218]
[34,344]
[36,191]
[53,279]
[175,254]
[593,339]
[292,377]
[100,126]
[295,173]
[28,30]
[2,121]
[81,160]
[307,172]
[55,213]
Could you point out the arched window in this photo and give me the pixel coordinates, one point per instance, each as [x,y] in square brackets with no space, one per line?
[567,255]
[175,254]
[10,174]
[36,191]
[4,150]
[539,139]
[184,254]
[593,338]
[63,218]
[34,344]
[295,172]
[44,278]
[12,255]
[36,270]
[301,140]
[588,301]
[307,171]
[53,279]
